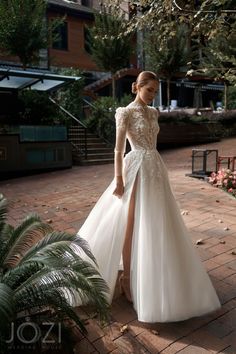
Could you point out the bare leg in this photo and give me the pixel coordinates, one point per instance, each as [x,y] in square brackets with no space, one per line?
[128,243]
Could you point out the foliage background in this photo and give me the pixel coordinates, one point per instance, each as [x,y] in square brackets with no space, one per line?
[102,116]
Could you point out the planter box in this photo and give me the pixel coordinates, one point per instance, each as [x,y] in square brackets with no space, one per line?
[172,134]
[35,148]
[42,133]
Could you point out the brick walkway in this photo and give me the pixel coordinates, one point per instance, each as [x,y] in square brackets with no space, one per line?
[64,198]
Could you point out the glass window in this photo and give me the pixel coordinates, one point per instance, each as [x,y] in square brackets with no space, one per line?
[61,37]
[88,3]
[87,40]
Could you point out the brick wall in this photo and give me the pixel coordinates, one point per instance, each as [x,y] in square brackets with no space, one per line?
[76,55]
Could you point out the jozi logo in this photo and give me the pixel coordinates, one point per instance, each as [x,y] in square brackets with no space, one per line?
[30,333]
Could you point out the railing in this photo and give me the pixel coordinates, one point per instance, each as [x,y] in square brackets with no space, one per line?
[107,137]
[88,103]
[82,146]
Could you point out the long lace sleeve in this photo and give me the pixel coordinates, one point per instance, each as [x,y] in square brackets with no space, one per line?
[121,117]
[156,112]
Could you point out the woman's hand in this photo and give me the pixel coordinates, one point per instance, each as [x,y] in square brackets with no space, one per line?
[119,190]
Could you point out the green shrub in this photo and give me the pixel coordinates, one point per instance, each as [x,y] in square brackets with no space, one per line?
[102,117]
[71,97]
[36,108]
[102,120]
[232,97]
[219,124]
[180,117]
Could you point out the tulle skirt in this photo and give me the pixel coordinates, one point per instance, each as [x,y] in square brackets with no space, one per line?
[168,280]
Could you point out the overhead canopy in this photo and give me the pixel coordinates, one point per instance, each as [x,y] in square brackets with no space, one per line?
[21,79]
[191,84]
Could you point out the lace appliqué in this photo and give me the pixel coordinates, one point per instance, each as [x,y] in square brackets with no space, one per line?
[122,122]
[151,168]
[143,128]
[146,162]
[140,125]
[121,118]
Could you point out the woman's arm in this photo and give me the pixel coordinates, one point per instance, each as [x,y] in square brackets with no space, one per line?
[121,129]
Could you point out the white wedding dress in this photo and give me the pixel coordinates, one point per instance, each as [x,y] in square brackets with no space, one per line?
[168,280]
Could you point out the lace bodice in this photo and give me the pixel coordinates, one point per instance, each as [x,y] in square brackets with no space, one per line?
[140,125]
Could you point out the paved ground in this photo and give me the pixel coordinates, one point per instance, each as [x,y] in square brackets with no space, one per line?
[66,197]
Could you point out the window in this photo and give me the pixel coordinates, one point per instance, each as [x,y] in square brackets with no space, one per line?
[60,34]
[88,3]
[87,40]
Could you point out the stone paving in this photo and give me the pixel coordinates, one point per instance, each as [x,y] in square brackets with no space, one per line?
[64,199]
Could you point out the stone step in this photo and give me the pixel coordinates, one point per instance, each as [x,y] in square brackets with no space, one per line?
[92,162]
[89,139]
[76,127]
[98,151]
[103,155]
[102,149]
[94,145]
[80,134]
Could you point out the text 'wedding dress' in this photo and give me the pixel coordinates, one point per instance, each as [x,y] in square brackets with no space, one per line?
[168,280]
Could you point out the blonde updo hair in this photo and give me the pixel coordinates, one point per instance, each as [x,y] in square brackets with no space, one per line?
[143,78]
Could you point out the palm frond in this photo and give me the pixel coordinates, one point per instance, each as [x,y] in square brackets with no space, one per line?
[76,243]
[57,255]
[59,258]
[41,269]
[84,285]
[6,305]
[3,208]
[24,236]
[6,232]
[14,277]
[3,212]
[53,298]
[81,244]
[84,279]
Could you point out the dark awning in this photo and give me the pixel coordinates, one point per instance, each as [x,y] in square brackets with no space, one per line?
[205,86]
[11,79]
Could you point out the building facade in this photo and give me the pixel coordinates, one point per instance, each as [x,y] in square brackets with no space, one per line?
[70,49]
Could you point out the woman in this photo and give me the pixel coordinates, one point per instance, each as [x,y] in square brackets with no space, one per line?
[138,214]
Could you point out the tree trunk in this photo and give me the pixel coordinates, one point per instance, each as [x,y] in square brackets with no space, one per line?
[168,95]
[226,96]
[113,81]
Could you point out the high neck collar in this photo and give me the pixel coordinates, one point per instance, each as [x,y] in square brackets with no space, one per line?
[138,104]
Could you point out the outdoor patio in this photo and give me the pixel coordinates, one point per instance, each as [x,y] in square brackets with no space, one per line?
[64,199]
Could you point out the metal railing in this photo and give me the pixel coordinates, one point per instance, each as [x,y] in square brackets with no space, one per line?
[107,138]
[81,145]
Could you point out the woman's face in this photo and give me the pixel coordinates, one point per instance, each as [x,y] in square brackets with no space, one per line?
[147,92]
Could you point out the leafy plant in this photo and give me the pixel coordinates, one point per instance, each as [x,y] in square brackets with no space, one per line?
[70,97]
[23,28]
[232,97]
[43,273]
[166,52]
[108,41]
[102,117]
[36,108]
[211,30]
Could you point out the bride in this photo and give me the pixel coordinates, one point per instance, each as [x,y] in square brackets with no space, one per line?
[137,220]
